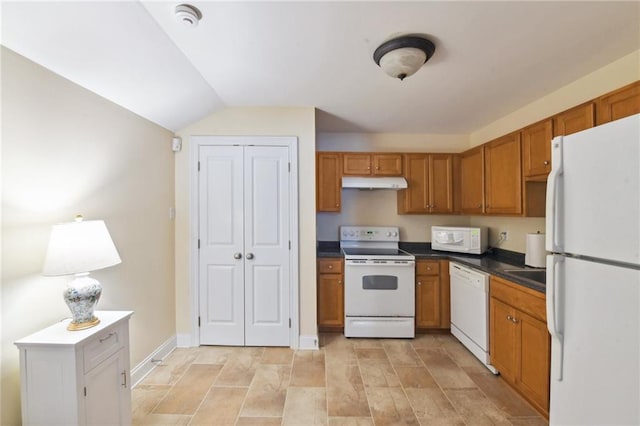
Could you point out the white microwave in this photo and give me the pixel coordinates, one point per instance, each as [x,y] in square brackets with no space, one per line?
[474,240]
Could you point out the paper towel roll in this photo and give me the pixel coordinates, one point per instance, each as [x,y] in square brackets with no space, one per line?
[536,254]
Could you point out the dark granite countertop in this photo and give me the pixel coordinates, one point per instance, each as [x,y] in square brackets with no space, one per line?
[494,262]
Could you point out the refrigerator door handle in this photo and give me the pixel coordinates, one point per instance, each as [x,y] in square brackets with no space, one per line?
[553,262]
[553,189]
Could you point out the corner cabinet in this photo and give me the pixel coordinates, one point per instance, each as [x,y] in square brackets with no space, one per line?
[503,175]
[77,377]
[330,294]
[519,341]
[432,295]
[329,184]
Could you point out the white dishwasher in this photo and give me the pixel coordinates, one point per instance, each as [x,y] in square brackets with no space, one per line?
[470,310]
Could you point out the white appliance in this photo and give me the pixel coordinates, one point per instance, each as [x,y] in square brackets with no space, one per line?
[363,182]
[473,240]
[379,283]
[593,275]
[470,310]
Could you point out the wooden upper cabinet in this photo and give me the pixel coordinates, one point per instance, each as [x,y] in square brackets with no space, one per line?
[441,183]
[356,164]
[329,184]
[430,184]
[367,164]
[574,120]
[536,147]
[503,175]
[415,198]
[472,181]
[618,104]
[387,164]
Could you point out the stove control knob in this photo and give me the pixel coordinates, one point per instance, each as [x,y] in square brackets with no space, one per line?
[388,234]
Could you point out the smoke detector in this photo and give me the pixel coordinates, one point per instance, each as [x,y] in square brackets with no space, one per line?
[188,15]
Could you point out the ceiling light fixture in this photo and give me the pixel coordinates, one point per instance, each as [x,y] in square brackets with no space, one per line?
[188,15]
[403,56]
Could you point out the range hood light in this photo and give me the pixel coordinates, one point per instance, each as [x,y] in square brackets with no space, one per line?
[393,183]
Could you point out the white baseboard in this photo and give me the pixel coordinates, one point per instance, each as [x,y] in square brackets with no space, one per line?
[185,341]
[141,370]
[308,343]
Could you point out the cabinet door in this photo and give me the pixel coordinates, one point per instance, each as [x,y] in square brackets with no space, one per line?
[415,198]
[618,104]
[330,300]
[107,393]
[472,181]
[440,183]
[534,365]
[574,120]
[536,146]
[354,164]
[427,301]
[503,175]
[387,164]
[502,339]
[329,185]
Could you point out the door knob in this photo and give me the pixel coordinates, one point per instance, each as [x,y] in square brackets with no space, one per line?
[249,256]
[237,255]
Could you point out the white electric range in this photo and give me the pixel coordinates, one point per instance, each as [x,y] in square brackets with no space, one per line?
[379,288]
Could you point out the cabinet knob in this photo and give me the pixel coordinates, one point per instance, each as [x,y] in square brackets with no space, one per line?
[330,266]
[237,256]
[339,281]
[377,167]
[419,282]
[479,206]
[337,205]
[546,162]
[249,256]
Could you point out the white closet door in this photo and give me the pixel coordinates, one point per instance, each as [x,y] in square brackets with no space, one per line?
[244,208]
[221,274]
[266,183]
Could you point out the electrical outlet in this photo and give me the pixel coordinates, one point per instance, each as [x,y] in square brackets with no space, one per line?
[504,235]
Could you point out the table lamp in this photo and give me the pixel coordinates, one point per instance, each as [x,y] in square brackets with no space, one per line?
[77,248]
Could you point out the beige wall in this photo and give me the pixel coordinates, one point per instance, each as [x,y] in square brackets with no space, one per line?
[299,122]
[67,151]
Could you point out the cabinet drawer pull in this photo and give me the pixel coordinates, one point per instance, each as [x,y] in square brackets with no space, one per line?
[109,336]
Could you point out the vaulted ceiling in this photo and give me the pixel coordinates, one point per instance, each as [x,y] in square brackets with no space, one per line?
[491,57]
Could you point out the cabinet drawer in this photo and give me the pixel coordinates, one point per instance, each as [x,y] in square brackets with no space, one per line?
[522,298]
[427,267]
[330,266]
[102,346]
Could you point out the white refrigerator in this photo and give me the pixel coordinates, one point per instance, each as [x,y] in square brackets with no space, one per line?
[593,275]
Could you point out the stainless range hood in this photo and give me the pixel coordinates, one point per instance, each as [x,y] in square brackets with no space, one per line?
[358,182]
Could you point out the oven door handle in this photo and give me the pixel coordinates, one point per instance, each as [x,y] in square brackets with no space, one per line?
[410,263]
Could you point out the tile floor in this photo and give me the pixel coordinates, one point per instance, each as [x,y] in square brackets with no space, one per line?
[430,380]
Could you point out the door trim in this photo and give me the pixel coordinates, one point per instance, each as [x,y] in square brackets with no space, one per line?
[195,142]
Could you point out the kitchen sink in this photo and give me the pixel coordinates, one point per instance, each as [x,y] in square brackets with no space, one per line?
[533,274]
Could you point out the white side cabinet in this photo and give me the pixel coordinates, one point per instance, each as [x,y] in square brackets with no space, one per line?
[77,377]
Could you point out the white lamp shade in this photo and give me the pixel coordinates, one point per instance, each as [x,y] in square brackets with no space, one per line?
[79,247]
[403,62]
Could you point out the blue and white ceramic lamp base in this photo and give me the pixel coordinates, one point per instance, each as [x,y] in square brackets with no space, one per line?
[82,295]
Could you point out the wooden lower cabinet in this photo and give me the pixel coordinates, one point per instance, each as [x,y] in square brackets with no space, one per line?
[432,295]
[330,294]
[519,341]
